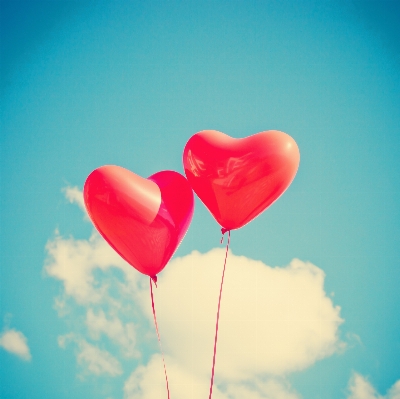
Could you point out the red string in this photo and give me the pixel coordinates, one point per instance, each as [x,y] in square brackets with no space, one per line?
[219,305]
[155,323]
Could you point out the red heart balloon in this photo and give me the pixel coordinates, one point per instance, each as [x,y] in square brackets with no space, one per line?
[144,220]
[237,179]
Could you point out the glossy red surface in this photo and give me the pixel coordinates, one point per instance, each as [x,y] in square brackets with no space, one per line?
[144,220]
[237,179]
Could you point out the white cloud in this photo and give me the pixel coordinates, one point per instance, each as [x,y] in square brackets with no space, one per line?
[15,342]
[273,320]
[75,261]
[91,358]
[75,196]
[98,361]
[123,335]
[77,264]
[148,382]
[271,388]
[361,388]
[394,391]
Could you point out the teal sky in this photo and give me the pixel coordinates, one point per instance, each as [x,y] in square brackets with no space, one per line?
[84,84]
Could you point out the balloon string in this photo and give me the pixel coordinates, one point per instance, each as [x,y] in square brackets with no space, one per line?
[158,334]
[219,305]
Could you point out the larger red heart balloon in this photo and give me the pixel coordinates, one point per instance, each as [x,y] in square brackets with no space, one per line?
[237,179]
[144,220]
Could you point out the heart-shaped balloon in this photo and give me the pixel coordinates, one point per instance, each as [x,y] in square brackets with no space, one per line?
[237,179]
[144,220]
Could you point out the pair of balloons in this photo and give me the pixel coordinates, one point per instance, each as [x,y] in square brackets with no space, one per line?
[145,220]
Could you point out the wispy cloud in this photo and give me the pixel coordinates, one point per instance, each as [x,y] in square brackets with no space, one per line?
[15,342]
[123,335]
[261,389]
[361,388]
[75,196]
[92,359]
[90,272]
[74,262]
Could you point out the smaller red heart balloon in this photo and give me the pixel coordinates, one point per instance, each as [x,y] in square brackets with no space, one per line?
[237,179]
[144,220]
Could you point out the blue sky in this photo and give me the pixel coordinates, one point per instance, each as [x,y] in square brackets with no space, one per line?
[127,83]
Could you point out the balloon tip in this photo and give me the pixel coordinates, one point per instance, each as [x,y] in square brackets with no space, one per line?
[223,231]
[154,278]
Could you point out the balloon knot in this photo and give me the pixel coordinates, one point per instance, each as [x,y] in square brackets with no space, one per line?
[154,278]
[223,231]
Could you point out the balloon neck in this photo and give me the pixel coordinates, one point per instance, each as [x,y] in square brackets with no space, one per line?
[224,230]
[154,278]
